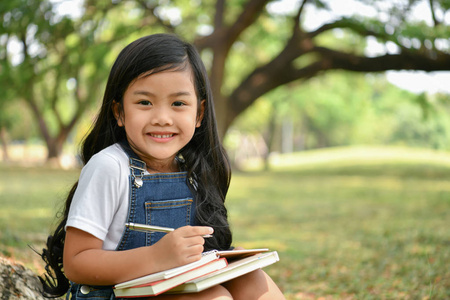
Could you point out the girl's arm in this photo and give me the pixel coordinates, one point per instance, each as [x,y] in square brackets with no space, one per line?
[85,261]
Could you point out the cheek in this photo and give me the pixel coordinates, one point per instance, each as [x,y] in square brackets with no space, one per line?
[135,122]
[189,124]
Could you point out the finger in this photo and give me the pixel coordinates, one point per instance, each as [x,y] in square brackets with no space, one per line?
[194,252]
[193,258]
[202,230]
[189,231]
[195,240]
[195,249]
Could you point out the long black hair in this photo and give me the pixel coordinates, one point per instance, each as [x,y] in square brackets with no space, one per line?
[205,158]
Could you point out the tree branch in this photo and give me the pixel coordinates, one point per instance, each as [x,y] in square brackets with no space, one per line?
[226,36]
[433,15]
[55,93]
[248,16]
[406,60]
[298,16]
[277,73]
[220,12]
[346,23]
[152,8]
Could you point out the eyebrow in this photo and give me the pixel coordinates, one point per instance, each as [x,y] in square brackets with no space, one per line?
[147,93]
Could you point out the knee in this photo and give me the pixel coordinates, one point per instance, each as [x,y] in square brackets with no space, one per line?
[254,285]
[220,293]
[217,292]
[214,293]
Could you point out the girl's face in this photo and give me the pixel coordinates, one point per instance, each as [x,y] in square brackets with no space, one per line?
[160,116]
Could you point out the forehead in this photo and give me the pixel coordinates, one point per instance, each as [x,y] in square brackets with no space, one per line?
[185,66]
[165,81]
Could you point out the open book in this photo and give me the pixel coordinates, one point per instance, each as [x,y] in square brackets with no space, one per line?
[155,284]
[212,262]
[235,254]
[206,258]
[234,269]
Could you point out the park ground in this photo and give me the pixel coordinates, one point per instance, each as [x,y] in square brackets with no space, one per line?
[348,223]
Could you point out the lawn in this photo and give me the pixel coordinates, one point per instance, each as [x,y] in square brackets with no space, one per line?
[346,227]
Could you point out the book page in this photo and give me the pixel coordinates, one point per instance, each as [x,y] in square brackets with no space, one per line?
[234,254]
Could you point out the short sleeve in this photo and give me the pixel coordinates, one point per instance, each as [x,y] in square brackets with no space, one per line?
[98,196]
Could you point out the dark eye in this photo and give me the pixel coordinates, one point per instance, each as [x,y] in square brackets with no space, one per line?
[145,102]
[178,103]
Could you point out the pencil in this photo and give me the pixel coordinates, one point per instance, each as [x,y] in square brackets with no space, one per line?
[151,228]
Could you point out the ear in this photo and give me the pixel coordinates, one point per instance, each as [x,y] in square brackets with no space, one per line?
[201,113]
[118,113]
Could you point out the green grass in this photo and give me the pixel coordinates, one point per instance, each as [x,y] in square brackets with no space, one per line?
[30,198]
[344,229]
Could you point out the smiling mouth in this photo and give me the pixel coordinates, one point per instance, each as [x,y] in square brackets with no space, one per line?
[162,136]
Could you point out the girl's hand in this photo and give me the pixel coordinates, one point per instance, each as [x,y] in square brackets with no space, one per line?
[181,246]
[86,262]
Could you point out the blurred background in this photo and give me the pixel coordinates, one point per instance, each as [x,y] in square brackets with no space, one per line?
[335,115]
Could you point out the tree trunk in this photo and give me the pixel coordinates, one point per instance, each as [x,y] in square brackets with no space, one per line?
[55,145]
[287,135]
[17,282]
[54,149]
[269,139]
[4,141]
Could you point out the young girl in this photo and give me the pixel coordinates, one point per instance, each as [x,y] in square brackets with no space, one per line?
[153,156]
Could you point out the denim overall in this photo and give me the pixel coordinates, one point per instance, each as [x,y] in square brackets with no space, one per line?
[162,199]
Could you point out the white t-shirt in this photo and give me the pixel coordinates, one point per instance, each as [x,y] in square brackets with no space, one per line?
[100,202]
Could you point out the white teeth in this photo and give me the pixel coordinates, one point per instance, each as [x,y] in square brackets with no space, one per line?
[161,136]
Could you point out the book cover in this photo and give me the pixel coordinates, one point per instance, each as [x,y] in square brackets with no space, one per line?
[157,287]
[234,254]
[206,258]
[234,269]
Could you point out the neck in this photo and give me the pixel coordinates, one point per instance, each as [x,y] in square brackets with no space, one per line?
[162,167]
[169,165]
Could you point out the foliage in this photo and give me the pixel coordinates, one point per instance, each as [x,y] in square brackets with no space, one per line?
[347,223]
[62,60]
[57,64]
[340,108]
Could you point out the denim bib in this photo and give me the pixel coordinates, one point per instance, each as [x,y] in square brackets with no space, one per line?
[162,199]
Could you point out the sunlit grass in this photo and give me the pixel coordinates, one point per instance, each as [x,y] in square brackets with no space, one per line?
[29,201]
[344,230]
[350,230]
[355,156]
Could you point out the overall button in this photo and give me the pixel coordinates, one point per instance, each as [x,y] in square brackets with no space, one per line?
[85,289]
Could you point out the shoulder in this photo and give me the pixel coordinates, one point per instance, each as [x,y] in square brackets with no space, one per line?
[102,193]
[107,168]
[110,160]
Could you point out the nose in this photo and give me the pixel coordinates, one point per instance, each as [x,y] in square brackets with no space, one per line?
[162,116]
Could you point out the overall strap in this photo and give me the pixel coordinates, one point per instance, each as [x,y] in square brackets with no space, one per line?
[137,166]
